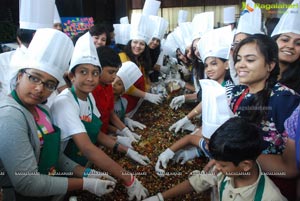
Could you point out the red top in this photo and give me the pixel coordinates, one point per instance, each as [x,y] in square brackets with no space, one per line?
[104,98]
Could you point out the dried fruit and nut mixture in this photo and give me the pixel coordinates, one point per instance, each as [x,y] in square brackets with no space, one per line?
[155,139]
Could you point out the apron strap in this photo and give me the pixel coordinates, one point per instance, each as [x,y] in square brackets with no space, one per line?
[239,100]
[259,191]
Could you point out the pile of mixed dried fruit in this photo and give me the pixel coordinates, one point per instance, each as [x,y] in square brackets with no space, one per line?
[155,139]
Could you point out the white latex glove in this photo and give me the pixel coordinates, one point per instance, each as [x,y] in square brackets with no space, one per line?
[97,186]
[180,124]
[137,190]
[163,159]
[133,124]
[186,155]
[126,132]
[126,141]
[143,160]
[177,102]
[100,175]
[181,83]
[153,98]
[157,197]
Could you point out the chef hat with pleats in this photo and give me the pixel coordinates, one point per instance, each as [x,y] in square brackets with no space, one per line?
[289,21]
[35,14]
[129,74]
[140,29]
[216,43]
[202,23]
[56,18]
[250,21]
[122,33]
[151,7]
[182,16]
[229,15]
[160,26]
[85,52]
[215,108]
[170,45]
[179,38]
[50,51]
[124,20]
[186,34]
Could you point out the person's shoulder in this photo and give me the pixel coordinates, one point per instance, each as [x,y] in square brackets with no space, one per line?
[282,90]
[271,191]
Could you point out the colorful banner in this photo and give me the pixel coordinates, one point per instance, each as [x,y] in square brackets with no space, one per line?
[74,25]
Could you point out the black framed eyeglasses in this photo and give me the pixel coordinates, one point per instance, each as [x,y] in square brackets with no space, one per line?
[49,85]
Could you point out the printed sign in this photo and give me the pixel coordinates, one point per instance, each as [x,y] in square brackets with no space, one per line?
[74,25]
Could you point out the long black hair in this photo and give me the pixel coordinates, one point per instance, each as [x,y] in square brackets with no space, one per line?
[143,60]
[269,49]
[290,77]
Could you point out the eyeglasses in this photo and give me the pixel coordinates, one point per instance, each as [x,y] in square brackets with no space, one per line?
[49,85]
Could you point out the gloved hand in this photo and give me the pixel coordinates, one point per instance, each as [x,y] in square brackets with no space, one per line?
[153,98]
[143,160]
[186,155]
[182,123]
[177,102]
[163,159]
[126,132]
[136,190]
[157,197]
[181,83]
[133,124]
[97,186]
[100,175]
[126,141]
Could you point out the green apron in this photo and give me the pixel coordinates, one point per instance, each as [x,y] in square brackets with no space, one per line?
[49,154]
[92,129]
[122,112]
[259,191]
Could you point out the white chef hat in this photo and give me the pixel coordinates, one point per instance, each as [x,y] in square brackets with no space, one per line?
[170,45]
[124,20]
[160,26]
[250,19]
[182,16]
[202,23]
[216,43]
[50,51]
[140,29]
[177,34]
[229,15]
[85,52]
[215,108]
[151,7]
[36,14]
[56,18]
[122,33]
[289,21]
[129,74]
[186,35]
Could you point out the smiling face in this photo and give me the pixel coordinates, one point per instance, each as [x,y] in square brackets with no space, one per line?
[137,47]
[31,93]
[252,68]
[215,69]
[154,43]
[289,47]
[85,79]
[100,40]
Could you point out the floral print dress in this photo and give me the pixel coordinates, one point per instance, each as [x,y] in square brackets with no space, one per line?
[282,103]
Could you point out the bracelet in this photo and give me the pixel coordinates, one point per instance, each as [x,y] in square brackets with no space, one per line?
[86,172]
[131,181]
[115,148]
[196,112]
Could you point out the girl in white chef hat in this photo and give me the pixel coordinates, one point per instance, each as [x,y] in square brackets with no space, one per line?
[30,143]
